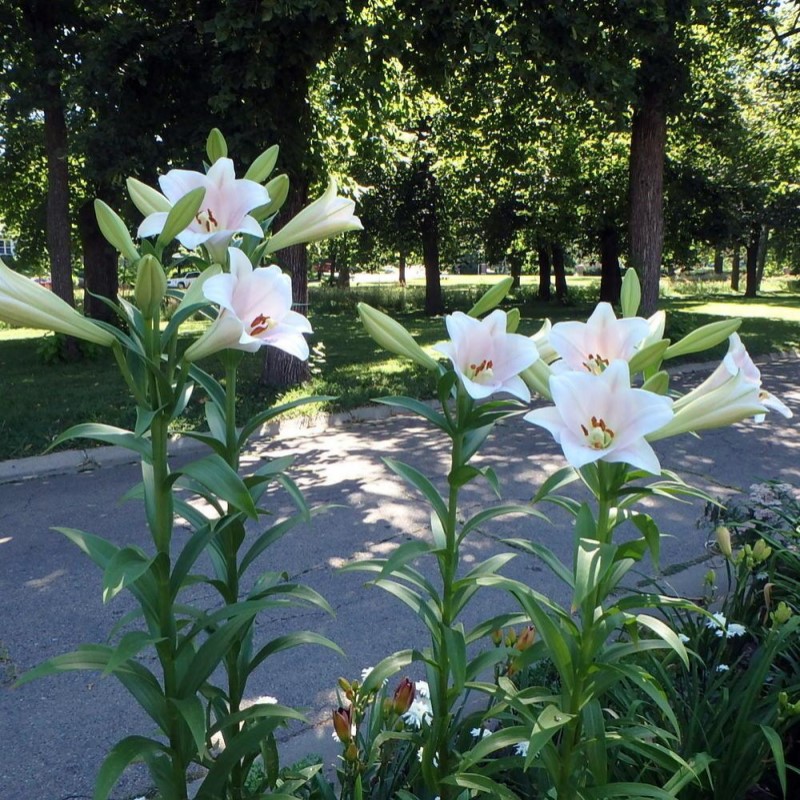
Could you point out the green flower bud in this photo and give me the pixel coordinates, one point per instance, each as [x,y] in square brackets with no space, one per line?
[262,167]
[537,378]
[630,294]
[723,537]
[216,146]
[115,231]
[704,338]
[151,286]
[782,614]
[512,320]
[147,199]
[491,298]
[649,356]
[658,383]
[180,215]
[278,190]
[392,336]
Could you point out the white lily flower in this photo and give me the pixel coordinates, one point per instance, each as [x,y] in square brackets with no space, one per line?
[600,417]
[255,310]
[487,358]
[420,711]
[325,217]
[592,345]
[737,359]
[713,406]
[225,209]
[26,304]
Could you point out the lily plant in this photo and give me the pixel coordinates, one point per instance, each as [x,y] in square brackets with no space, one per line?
[196,695]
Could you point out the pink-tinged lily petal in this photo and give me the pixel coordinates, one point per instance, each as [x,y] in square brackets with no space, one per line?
[255,310]
[224,212]
[592,345]
[486,358]
[600,417]
[737,361]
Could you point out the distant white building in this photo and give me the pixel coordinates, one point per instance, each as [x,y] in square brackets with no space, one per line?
[6,245]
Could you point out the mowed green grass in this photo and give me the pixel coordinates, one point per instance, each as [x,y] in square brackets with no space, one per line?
[41,400]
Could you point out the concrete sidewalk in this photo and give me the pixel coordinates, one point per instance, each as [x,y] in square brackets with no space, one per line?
[56,732]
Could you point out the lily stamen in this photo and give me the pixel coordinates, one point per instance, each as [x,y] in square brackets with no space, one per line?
[595,363]
[599,436]
[207,220]
[261,324]
[485,368]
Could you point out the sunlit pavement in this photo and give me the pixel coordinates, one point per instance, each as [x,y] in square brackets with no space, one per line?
[55,732]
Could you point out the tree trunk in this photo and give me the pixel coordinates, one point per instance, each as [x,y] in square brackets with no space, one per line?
[343,281]
[559,274]
[761,258]
[736,262]
[58,243]
[100,267]
[543,251]
[718,261]
[401,273]
[610,273]
[280,369]
[515,264]
[648,143]
[41,23]
[429,227]
[751,277]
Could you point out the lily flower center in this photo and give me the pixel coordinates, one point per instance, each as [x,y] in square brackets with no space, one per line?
[598,435]
[261,324]
[595,363]
[207,221]
[481,372]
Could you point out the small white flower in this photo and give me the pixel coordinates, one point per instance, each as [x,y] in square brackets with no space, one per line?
[735,629]
[684,638]
[717,624]
[521,749]
[422,689]
[419,712]
[762,576]
[480,733]
[722,668]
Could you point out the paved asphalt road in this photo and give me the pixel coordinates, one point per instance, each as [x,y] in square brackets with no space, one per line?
[55,732]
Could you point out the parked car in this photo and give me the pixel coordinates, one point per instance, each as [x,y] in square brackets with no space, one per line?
[182,281]
[46,282]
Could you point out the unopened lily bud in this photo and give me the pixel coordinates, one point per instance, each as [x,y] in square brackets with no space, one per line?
[216,146]
[761,551]
[782,614]
[344,685]
[704,338]
[723,537]
[648,356]
[526,638]
[146,199]
[630,294]
[497,637]
[181,215]
[392,336]
[710,578]
[262,167]
[658,383]
[403,696]
[492,298]
[351,753]
[151,286]
[278,191]
[115,231]
[537,378]
[511,637]
[343,724]
[513,318]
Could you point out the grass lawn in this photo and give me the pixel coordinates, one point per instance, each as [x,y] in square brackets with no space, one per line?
[40,400]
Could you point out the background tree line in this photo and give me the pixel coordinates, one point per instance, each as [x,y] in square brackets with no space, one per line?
[639,129]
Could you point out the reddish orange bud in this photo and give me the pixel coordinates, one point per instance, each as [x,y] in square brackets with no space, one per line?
[526,638]
[343,724]
[403,696]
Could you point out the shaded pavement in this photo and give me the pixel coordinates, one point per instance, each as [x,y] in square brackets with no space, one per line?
[56,731]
